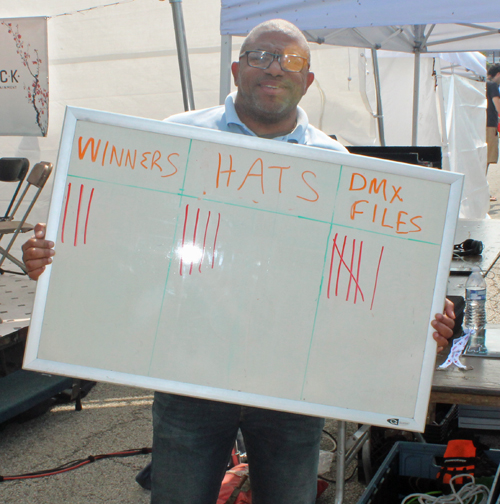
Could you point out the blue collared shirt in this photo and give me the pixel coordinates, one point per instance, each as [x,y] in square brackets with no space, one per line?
[225,118]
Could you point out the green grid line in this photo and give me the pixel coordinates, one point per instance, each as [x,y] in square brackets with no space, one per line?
[125,185]
[320,290]
[172,251]
[239,205]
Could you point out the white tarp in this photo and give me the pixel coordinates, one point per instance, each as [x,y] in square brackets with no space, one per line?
[24,86]
[237,15]
[465,109]
[387,24]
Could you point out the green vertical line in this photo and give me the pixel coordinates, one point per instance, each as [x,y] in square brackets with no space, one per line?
[338,185]
[320,288]
[172,256]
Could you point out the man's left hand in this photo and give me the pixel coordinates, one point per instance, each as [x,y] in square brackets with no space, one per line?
[444,323]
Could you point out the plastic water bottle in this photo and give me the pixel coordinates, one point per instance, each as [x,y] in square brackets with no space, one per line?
[475,311]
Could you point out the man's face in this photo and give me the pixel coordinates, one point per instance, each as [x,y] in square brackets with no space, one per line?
[270,95]
[496,78]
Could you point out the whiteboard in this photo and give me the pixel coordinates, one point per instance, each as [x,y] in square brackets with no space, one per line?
[243,270]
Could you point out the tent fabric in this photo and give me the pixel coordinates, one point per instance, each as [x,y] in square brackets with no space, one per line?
[458,25]
[465,108]
[473,61]
[442,38]
[239,16]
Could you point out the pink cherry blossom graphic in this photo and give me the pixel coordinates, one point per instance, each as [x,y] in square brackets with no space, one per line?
[35,93]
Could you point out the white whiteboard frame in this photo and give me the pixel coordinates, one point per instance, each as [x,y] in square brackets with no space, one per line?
[73,115]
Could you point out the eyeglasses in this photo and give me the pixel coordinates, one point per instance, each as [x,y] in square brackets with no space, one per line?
[264,59]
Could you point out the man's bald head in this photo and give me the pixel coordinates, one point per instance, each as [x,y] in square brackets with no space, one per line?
[277,25]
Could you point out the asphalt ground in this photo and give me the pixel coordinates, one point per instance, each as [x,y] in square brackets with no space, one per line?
[115,419]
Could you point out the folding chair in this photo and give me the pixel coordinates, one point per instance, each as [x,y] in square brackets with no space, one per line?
[13,170]
[37,178]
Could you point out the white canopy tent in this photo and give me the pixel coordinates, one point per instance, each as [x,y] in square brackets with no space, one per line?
[413,26]
[457,25]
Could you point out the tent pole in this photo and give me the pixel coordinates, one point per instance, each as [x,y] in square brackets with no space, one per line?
[182,54]
[419,40]
[416,91]
[445,144]
[380,114]
[225,67]
[341,456]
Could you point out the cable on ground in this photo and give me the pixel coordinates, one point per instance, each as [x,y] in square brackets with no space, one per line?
[75,464]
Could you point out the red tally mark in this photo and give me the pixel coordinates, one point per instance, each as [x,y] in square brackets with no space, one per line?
[79,209]
[353,269]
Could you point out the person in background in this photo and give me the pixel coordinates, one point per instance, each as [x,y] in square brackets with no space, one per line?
[492,113]
[193,438]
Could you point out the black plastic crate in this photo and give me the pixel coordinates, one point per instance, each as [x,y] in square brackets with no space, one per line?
[446,423]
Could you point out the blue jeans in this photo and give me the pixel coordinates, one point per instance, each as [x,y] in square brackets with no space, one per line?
[192,443]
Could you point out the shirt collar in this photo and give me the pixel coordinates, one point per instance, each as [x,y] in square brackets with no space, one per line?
[296,136]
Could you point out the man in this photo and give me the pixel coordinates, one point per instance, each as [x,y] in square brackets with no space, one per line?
[492,112]
[193,438]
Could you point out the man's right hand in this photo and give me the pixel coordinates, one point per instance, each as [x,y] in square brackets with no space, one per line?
[37,252]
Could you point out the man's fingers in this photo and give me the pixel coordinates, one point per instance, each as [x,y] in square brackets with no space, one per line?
[443,329]
[445,320]
[441,341]
[40,230]
[35,248]
[35,273]
[38,239]
[449,308]
[37,262]
[38,251]
[443,325]
[39,243]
